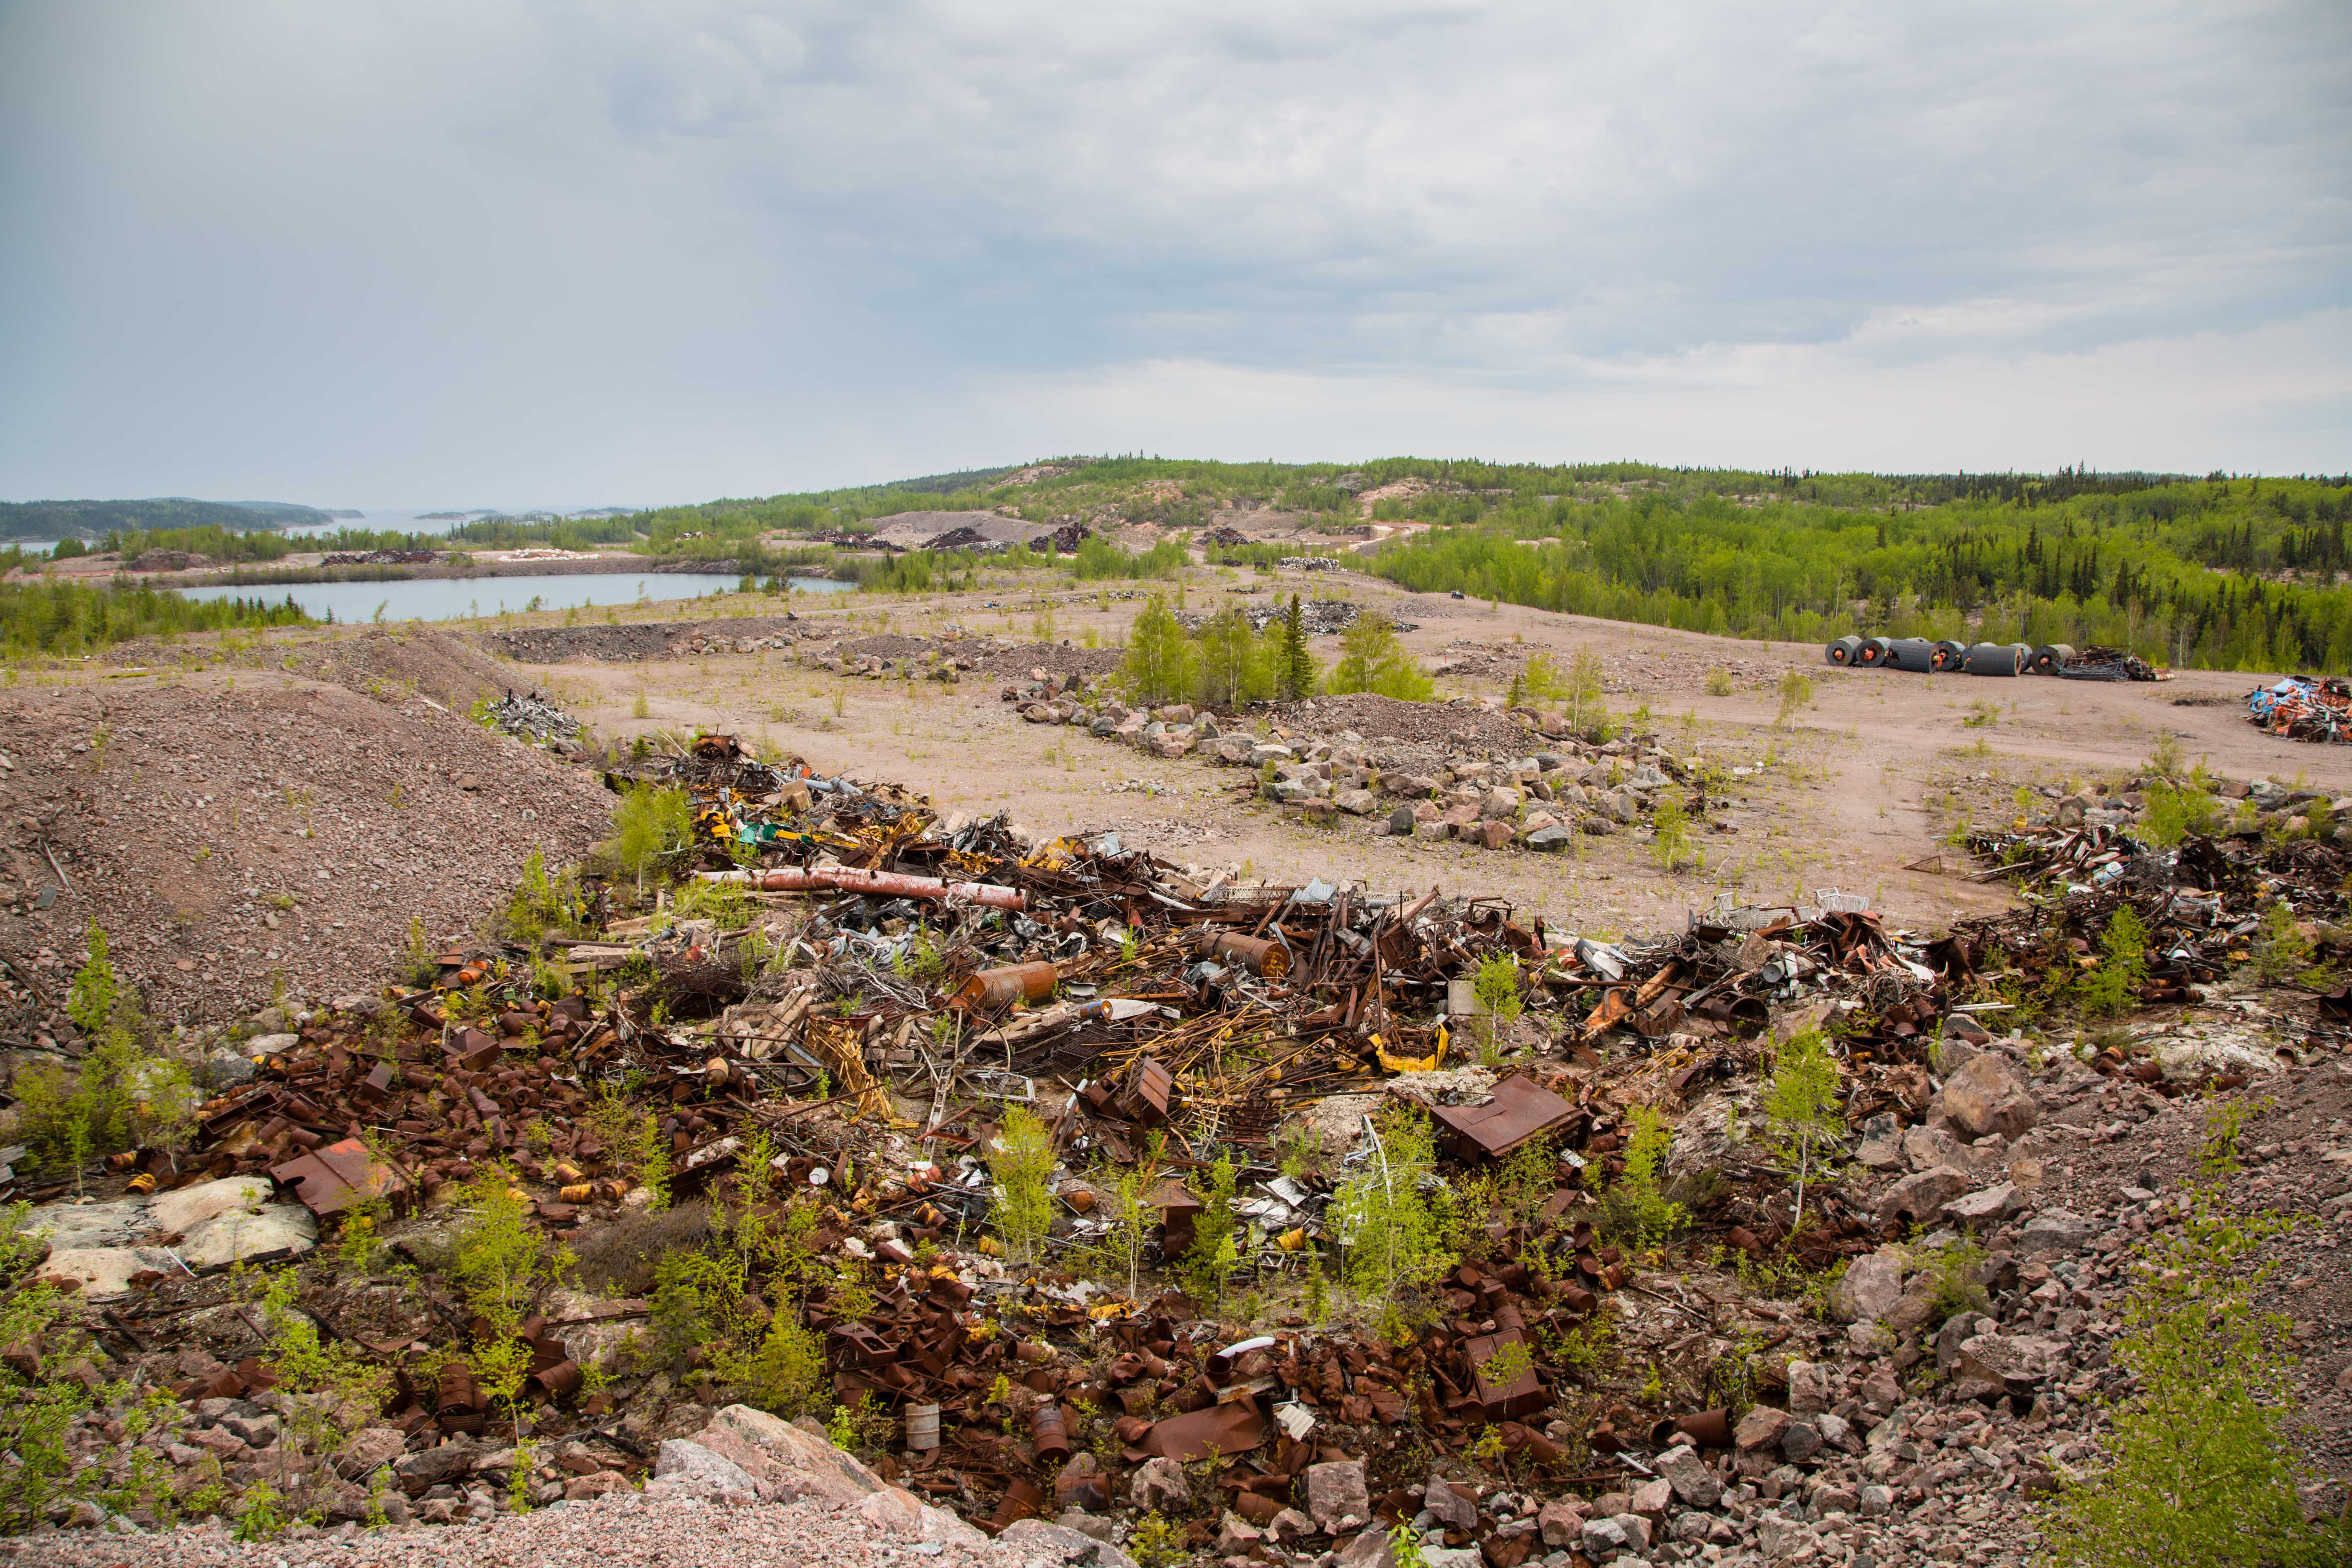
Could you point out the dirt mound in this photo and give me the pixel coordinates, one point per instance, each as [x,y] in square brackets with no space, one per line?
[1462,728]
[389,663]
[225,830]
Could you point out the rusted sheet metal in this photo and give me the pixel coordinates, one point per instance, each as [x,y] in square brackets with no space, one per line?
[335,1178]
[1503,1396]
[1230,1429]
[1521,1110]
[882,884]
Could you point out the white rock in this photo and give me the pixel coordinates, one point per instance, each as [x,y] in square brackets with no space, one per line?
[238,1236]
[180,1212]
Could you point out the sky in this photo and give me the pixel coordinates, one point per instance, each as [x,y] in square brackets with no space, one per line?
[591,252]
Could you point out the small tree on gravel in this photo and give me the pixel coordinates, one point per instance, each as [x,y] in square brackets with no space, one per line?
[1802,1106]
[1159,657]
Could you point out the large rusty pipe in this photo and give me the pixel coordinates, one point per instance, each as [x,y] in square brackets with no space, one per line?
[882,884]
[994,990]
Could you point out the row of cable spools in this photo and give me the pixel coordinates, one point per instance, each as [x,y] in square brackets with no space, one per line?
[1917,654]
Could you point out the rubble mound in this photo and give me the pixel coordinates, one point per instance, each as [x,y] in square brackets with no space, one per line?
[232,835]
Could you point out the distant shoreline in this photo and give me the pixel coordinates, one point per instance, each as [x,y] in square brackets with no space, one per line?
[280,572]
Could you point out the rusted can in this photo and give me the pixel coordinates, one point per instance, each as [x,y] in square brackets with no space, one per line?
[922,1428]
[1260,956]
[1049,1436]
[996,989]
[559,1382]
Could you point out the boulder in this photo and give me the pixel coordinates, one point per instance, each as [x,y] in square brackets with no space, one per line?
[683,1468]
[1336,1496]
[1447,1506]
[1986,1096]
[1357,802]
[1402,821]
[1692,1479]
[102,1273]
[2054,1230]
[273,1230]
[1546,840]
[1991,1365]
[1872,1285]
[369,1449]
[1923,1197]
[1560,1520]
[1158,1484]
[73,1226]
[1035,1541]
[1809,1388]
[1760,1428]
[1977,1210]
[180,1211]
[603,1483]
[783,1461]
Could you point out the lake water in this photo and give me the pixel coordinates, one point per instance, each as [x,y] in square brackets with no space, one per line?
[454,598]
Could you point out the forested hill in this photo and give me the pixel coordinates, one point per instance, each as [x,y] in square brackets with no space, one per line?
[2223,570]
[96,518]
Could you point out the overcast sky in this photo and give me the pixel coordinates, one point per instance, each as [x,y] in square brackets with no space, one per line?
[593,251]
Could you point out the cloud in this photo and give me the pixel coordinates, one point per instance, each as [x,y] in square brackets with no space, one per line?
[655,250]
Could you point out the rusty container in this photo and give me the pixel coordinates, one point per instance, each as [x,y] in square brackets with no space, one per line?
[1260,956]
[922,1428]
[1048,1432]
[993,991]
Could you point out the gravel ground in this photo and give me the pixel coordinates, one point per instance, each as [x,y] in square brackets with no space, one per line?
[610,1532]
[1386,718]
[226,829]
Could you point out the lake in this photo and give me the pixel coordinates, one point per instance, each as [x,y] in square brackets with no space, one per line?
[455,598]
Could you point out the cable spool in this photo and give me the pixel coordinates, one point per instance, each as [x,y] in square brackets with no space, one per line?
[1948,656]
[1872,655]
[1994,658]
[1844,652]
[1914,655]
[2050,657]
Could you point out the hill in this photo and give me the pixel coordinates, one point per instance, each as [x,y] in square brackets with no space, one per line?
[95,518]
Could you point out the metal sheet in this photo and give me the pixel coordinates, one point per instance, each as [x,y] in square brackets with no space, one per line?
[1521,1110]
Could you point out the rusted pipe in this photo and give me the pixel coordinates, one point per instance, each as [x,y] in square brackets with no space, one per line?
[882,884]
[994,990]
[1259,955]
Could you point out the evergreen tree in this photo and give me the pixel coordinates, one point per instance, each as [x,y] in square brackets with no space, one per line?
[1295,672]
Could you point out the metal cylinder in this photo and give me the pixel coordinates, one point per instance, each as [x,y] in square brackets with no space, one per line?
[1871,654]
[1048,1433]
[1914,655]
[2050,657]
[995,990]
[1844,651]
[1993,658]
[922,1428]
[882,884]
[1259,955]
[1946,656]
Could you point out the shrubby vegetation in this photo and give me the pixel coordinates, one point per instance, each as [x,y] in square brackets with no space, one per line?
[73,618]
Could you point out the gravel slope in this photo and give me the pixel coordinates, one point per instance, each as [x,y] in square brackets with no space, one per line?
[609,1532]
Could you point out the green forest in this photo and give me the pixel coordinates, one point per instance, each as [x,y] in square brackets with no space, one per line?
[2219,572]
[73,618]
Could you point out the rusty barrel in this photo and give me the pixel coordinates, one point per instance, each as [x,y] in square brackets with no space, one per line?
[1260,956]
[996,989]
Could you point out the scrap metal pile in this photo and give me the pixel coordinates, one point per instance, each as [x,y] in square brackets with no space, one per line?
[2304,708]
[850,993]
[530,717]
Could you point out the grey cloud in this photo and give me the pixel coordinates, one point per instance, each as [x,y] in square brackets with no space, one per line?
[709,231]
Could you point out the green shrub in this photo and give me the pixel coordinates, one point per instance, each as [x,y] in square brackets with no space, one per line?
[2281,949]
[1635,1209]
[1021,1158]
[649,824]
[2113,984]
[1670,836]
[1160,663]
[36,1408]
[1372,659]
[2200,1472]
[1384,1220]
[1495,984]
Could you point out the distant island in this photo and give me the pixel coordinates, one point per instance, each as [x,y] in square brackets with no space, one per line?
[96,518]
